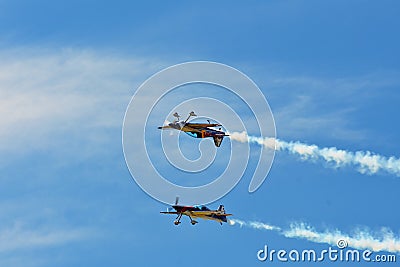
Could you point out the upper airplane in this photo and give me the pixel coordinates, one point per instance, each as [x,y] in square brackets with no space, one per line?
[197,130]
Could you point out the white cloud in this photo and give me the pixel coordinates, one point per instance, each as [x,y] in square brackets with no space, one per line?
[309,106]
[18,237]
[46,95]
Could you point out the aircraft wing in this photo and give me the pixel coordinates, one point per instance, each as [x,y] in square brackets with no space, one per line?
[209,213]
[165,127]
[202,125]
[169,212]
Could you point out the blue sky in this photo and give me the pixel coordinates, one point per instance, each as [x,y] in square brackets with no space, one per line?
[329,70]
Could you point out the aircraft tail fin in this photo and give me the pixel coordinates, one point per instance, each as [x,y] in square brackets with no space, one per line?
[218,140]
[221,208]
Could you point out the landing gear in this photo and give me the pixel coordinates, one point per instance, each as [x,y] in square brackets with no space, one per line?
[178,219]
[193,222]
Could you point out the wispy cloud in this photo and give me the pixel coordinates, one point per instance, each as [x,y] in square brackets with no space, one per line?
[365,162]
[384,240]
[18,237]
[45,95]
[306,106]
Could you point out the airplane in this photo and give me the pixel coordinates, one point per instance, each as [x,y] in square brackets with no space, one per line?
[198,211]
[197,130]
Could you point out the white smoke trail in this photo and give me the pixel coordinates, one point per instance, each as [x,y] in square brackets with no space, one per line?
[255,225]
[365,162]
[385,240]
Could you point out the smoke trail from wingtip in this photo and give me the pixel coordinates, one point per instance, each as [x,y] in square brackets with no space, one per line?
[384,240]
[365,162]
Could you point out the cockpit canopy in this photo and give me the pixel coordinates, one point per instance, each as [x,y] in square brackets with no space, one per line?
[201,207]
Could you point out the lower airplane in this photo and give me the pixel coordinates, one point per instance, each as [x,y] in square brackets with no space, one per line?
[198,211]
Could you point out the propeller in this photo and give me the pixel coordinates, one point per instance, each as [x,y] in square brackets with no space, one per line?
[176,200]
